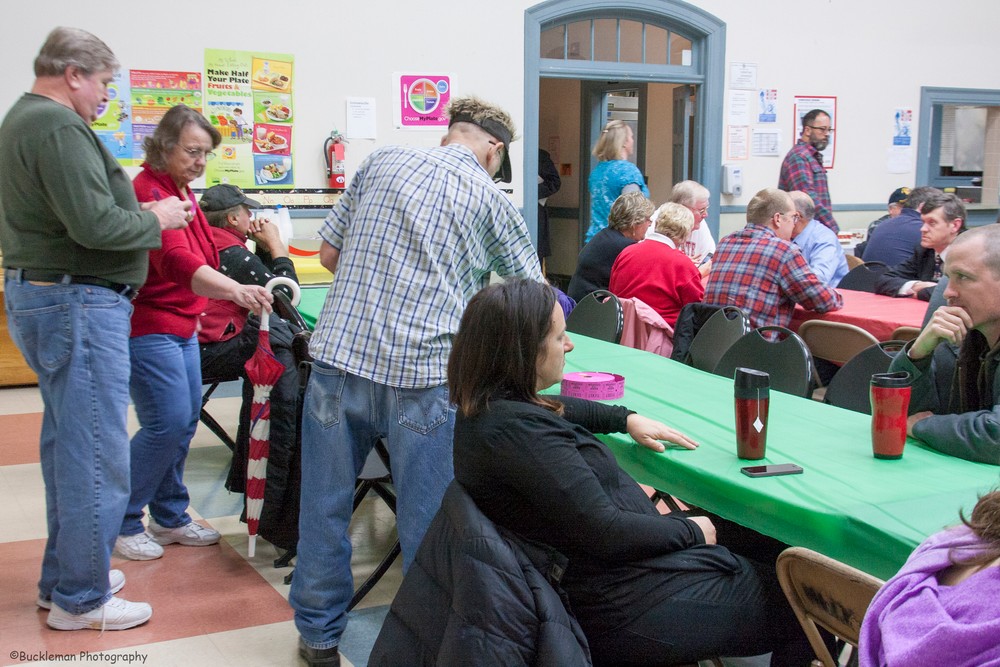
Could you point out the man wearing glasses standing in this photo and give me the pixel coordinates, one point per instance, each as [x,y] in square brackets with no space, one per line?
[803,167]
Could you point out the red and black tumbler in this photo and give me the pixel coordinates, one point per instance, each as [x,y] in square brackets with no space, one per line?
[890,397]
[753,390]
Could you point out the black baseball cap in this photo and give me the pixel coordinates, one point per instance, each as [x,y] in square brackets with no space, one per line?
[899,196]
[497,130]
[225,196]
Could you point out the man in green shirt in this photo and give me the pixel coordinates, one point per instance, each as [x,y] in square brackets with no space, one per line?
[75,250]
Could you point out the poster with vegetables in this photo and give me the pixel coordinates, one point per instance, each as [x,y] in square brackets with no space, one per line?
[151,93]
[248,98]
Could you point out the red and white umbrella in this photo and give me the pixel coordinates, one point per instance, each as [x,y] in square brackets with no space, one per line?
[263,370]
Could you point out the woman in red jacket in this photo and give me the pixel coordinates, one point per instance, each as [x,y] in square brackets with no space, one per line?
[166,369]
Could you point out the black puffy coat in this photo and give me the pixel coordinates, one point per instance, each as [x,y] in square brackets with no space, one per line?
[479,595]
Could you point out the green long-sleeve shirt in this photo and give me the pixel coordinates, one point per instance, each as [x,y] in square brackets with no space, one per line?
[66,205]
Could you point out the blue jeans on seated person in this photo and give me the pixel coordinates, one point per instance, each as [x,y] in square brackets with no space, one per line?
[166,391]
[75,338]
[344,415]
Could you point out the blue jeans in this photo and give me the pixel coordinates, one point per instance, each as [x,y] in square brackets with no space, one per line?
[166,391]
[75,337]
[343,416]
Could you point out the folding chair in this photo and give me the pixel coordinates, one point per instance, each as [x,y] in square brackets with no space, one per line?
[826,593]
[598,315]
[784,357]
[849,386]
[833,342]
[905,333]
[714,337]
[862,278]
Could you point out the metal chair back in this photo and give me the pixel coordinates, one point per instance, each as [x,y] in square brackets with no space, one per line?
[848,388]
[598,315]
[716,336]
[862,278]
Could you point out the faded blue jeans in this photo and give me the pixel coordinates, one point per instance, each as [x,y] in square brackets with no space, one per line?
[344,415]
[75,337]
[166,390]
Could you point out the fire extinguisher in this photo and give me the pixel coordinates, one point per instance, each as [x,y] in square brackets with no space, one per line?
[333,153]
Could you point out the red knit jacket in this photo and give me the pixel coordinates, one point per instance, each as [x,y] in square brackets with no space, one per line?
[166,304]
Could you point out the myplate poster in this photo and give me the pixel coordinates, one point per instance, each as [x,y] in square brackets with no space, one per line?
[248,99]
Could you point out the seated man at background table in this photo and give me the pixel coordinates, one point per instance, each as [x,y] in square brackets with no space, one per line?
[694,196]
[818,243]
[760,270]
[893,240]
[965,421]
[943,220]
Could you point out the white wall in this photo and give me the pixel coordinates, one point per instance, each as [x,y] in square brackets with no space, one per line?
[873,56]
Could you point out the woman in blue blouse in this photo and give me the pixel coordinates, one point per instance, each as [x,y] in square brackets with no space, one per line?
[614,175]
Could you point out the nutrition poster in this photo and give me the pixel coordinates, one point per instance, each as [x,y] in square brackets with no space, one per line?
[248,98]
[420,100]
[152,92]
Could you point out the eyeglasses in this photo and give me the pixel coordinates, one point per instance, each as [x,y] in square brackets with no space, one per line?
[823,130]
[196,153]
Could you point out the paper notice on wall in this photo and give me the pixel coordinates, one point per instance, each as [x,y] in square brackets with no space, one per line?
[360,118]
[743,76]
[902,127]
[765,143]
[737,142]
[899,160]
[739,107]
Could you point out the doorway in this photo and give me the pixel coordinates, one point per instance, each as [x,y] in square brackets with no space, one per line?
[656,64]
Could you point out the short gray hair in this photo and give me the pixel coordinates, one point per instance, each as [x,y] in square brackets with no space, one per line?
[675,221]
[629,210]
[990,234]
[72,47]
[688,193]
[803,204]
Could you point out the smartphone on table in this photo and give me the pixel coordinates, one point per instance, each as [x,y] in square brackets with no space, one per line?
[771,470]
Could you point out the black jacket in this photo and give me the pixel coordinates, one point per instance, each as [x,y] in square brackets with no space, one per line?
[479,595]
[920,266]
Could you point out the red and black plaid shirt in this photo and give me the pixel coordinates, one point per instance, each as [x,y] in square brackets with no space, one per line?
[803,170]
[765,276]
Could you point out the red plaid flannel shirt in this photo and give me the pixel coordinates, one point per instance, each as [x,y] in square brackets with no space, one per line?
[765,276]
[803,170]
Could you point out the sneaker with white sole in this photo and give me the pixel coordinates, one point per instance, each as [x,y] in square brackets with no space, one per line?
[115,614]
[116,581]
[140,546]
[190,534]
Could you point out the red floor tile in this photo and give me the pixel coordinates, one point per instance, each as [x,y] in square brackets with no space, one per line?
[20,438]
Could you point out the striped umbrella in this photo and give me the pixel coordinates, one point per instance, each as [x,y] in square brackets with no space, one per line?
[263,370]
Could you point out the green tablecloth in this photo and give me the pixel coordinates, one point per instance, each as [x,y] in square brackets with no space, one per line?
[311,303]
[866,512]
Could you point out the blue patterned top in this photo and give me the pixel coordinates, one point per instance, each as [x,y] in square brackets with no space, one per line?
[419,231]
[605,184]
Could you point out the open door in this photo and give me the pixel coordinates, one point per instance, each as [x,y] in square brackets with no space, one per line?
[683,155]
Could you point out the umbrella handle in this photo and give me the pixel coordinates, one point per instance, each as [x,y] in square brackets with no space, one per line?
[286,282]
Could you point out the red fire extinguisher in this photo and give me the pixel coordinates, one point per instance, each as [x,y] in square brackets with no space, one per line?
[333,153]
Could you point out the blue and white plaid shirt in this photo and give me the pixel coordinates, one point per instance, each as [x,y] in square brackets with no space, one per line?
[419,231]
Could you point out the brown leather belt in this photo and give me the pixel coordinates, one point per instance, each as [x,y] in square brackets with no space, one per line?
[42,276]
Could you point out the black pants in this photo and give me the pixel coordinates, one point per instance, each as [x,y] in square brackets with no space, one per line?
[279,516]
[740,612]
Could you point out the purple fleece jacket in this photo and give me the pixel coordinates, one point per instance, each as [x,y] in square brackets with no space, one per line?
[915,621]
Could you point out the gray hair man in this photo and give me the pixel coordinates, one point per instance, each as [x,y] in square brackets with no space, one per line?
[819,245]
[695,197]
[415,235]
[76,247]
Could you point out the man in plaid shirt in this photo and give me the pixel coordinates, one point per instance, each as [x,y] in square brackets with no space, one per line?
[760,271]
[803,166]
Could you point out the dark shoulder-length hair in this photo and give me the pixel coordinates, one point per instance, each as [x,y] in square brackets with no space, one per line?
[985,523]
[168,133]
[495,353]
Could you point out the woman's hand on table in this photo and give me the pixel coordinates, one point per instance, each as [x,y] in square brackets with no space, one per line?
[649,432]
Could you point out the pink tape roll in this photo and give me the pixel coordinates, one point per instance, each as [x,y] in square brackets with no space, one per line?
[593,386]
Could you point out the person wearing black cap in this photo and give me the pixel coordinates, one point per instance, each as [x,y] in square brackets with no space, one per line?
[228,338]
[415,235]
[892,241]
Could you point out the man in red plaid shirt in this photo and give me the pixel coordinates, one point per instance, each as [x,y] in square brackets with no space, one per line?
[759,270]
[803,167]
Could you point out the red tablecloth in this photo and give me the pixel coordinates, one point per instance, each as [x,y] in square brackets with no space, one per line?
[878,315]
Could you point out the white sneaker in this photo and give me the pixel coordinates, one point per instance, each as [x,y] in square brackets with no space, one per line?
[115,614]
[138,547]
[191,534]
[116,581]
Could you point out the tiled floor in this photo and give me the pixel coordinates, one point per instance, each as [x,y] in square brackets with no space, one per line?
[211,605]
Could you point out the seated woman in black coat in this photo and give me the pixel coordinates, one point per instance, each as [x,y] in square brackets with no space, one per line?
[647,589]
